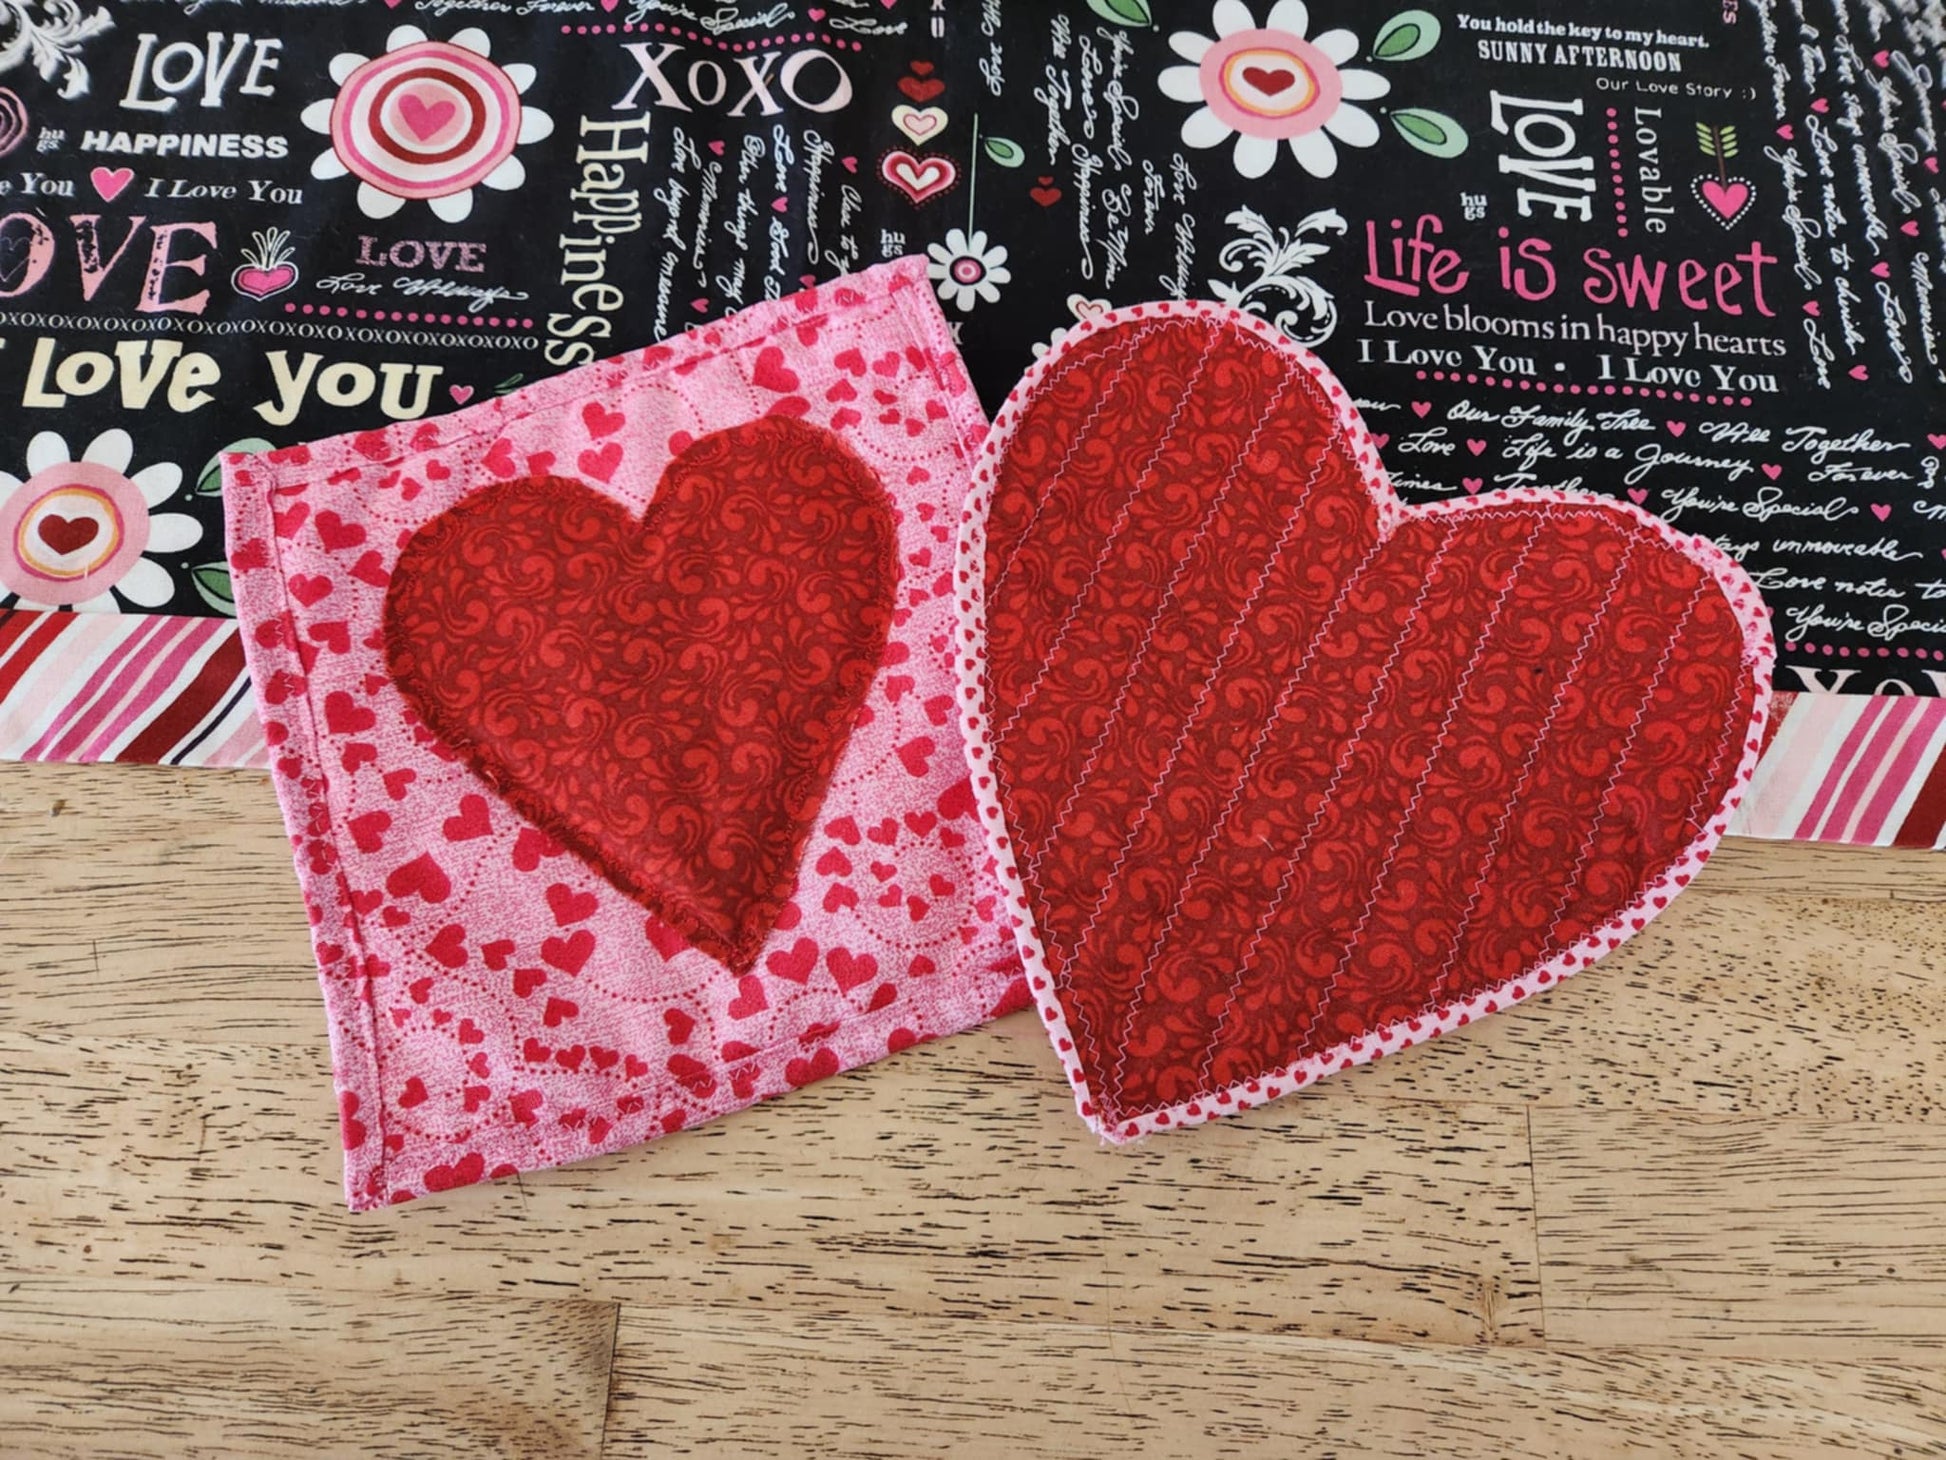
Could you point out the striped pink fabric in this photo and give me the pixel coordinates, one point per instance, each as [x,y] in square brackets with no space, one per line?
[1868,770]
[1860,769]
[137,687]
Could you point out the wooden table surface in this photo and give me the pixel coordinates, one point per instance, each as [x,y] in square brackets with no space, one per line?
[1692,1203]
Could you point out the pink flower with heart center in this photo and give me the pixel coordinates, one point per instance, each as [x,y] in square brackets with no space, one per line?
[1269,85]
[427,119]
[77,532]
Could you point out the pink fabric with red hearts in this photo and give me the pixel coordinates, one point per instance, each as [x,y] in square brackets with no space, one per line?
[496,1003]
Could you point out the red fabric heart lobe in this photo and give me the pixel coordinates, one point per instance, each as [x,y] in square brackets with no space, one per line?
[1290,774]
[666,696]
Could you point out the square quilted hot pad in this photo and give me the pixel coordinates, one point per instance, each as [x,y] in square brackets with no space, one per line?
[613,725]
[1283,775]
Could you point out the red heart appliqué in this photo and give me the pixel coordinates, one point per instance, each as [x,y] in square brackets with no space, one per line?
[665,696]
[1283,775]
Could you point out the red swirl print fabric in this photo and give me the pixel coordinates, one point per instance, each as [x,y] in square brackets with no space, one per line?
[1282,775]
[666,698]
[613,724]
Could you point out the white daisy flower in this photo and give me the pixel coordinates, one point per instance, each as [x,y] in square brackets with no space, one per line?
[1269,85]
[428,119]
[75,533]
[966,270]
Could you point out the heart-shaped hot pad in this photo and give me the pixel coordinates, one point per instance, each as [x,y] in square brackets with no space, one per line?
[667,695]
[1283,775]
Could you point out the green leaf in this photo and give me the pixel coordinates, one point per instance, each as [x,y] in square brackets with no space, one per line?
[1006,151]
[1123,12]
[212,581]
[1431,132]
[1406,36]
[1716,141]
[209,481]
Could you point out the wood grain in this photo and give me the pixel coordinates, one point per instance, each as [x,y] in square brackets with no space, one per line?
[267,1372]
[1684,1205]
[902,1188]
[1744,1236]
[151,909]
[1730,1003]
[702,1384]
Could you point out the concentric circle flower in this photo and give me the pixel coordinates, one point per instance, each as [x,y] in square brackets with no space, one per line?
[966,270]
[74,534]
[1270,85]
[428,119]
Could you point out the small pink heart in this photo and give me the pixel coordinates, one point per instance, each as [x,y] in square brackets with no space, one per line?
[850,163]
[1773,472]
[816,12]
[701,306]
[1787,132]
[261,283]
[782,205]
[1882,59]
[1638,495]
[717,146]
[918,123]
[1478,448]
[1910,228]
[423,119]
[1859,372]
[1676,428]
[1381,439]
[1938,439]
[1421,408]
[1812,308]
[609,5]
[1472,485]
[109,181]
[1820,106]
[1882,270]
[1932,164]
[1881,510]
[461,394]
[1726,199]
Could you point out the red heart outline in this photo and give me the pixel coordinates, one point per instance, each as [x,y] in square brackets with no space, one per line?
[920,178]
[1642,901]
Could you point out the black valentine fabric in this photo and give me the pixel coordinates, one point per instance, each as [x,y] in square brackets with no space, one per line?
[1686,252]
